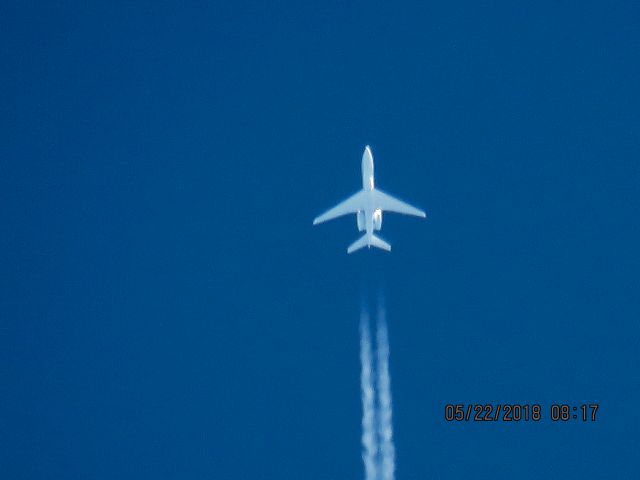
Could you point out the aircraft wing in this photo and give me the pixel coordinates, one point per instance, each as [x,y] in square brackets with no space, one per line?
[351,205]
[387,203]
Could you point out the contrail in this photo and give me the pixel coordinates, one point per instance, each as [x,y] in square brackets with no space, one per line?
[385,428]
[378,450]
[369,441]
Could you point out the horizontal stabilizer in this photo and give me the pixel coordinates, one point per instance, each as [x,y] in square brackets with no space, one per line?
[369,241]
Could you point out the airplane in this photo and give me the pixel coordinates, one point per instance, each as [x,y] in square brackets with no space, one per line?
[368,205]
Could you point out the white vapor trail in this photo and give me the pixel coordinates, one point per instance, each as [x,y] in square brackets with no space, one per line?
[378,450]
[385,428]
[369,441]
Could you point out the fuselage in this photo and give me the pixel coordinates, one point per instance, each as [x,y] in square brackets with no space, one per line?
[371,216]
[368,205]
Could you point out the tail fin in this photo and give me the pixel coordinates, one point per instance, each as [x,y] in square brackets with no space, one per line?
[368,241]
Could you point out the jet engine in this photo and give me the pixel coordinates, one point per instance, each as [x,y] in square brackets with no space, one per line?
[377,219]
[361,222]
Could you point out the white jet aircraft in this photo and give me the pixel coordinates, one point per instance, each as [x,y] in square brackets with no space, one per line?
[368,204]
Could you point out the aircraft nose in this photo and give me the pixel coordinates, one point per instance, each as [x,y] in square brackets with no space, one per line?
[367,153]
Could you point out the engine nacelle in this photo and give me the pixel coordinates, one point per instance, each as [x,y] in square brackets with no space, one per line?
[377,219]
[361,222]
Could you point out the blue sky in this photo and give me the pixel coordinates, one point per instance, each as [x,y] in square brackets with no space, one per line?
[168,310]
